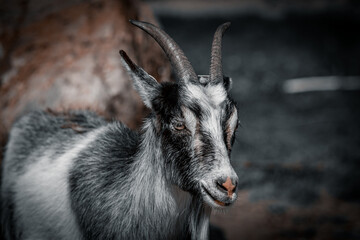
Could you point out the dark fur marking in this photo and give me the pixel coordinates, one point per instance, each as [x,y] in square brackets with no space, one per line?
[229,109]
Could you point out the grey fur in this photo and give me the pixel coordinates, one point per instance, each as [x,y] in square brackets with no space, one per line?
[76,176]
[113,195]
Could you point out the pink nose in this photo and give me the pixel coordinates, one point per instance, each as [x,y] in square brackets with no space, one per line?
[227,186]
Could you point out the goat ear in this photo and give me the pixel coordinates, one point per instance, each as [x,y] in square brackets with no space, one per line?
[227,83]
[145,84]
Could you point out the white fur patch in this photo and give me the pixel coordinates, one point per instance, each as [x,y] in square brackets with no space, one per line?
[196,92]
[212,124]
[203,228]
[233,120]
[216,93]
[231,125]
[42,195]
[213,95]
[190,120]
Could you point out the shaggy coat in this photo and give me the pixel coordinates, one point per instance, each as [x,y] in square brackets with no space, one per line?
[76,176]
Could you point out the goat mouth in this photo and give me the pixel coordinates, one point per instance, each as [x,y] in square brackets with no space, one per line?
[214,199]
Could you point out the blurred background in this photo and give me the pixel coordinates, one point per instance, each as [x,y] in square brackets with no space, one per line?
[295,67]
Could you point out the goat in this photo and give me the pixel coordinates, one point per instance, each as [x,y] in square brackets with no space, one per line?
[105,181]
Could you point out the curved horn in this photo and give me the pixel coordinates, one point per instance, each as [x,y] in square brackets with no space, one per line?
[216,73]
[182,68]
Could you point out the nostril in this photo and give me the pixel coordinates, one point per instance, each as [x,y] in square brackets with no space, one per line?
[220,185]
[236,185]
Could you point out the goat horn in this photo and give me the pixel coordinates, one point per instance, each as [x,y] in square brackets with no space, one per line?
[182,68]
[216,72]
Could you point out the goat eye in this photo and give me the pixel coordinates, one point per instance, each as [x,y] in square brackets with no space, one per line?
[179,126]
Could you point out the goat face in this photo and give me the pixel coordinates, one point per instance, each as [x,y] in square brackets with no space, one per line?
[197,128]
[195,121]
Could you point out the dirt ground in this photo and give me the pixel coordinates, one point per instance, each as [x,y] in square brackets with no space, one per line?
[297,155]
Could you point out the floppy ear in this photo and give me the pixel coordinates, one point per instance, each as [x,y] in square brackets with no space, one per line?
[144,83]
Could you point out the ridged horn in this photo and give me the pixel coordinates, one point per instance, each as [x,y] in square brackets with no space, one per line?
[182,68]
[216,72]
